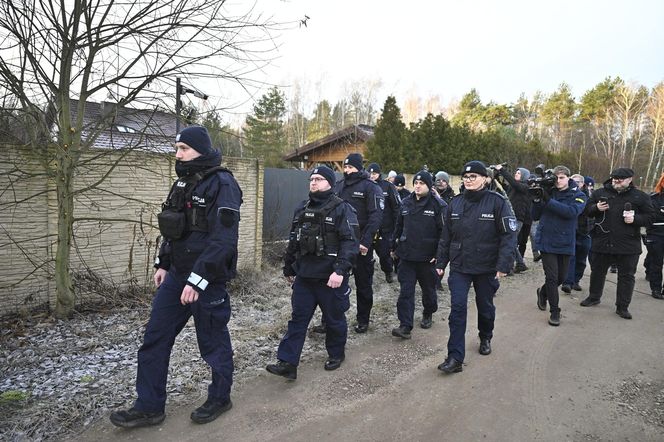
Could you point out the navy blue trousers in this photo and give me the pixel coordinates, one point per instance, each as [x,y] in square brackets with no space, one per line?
[485,285]
[383,245]
[307,294]
[577,263]
[654,262]
[364,270]
[211,314]
[410,273]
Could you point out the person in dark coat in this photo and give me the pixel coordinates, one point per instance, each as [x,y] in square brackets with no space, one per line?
[521,200]
[443,188]
[400,183]
[577,263]
[383,241]
[366,197]
[416,238]
[655,241]
[557,209]
[322,249]
[199,223]
[477,241]
[620,210]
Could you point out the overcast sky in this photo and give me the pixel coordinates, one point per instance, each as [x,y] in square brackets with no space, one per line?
[445,47]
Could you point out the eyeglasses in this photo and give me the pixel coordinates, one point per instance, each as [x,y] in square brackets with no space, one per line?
[469,177]
[316,179]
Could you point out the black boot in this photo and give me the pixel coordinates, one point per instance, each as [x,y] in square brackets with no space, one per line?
[485,346]
[134,418]
[427,321]
[210,410]
[284,369]
[389,277]
[334,363]
[451,365]
[555,318]
[401,332]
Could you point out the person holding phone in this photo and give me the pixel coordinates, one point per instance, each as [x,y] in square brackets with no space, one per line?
[620,210]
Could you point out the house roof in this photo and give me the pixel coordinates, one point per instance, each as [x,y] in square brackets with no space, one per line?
[357,132]
[117,127]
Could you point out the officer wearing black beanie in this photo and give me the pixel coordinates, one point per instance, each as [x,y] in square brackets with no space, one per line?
[366,197]
[322,248]
[383,240]
[199,225]
[418,229]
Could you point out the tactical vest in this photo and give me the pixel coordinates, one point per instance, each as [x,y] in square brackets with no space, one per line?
[312,236]
[180,214]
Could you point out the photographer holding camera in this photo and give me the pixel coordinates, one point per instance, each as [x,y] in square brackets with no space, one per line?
[620,210]
[557,204]
[521,200]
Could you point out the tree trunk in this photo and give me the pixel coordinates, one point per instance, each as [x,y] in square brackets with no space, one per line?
[64,290]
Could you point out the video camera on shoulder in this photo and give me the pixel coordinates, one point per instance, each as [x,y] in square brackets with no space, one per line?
[542,179]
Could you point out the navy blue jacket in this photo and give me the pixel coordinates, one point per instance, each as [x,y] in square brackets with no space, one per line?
[479,234]
[611,234]
[392,204]
[367,199]
[657,227]
[418,228]
[558,218]
[211,256]
[341,222]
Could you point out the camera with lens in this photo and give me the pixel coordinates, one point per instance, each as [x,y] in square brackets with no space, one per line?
[542,179]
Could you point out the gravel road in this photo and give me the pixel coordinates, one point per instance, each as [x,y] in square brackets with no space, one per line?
[596,377]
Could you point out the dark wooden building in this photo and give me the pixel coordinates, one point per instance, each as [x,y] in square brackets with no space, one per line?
[333,149]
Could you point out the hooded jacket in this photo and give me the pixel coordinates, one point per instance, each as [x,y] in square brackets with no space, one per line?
[519,196]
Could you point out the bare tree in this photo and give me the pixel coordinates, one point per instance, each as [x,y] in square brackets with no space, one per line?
[53,51]
[655,116]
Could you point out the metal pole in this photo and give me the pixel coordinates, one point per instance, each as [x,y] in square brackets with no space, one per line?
[178,88]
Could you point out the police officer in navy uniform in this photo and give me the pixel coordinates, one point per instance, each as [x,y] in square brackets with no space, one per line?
[199,223]
[322,250]
[367,199]
[478,240]
[400,183]
[418,229]
[383,242]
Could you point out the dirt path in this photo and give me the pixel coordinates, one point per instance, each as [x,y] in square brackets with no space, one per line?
[596,377]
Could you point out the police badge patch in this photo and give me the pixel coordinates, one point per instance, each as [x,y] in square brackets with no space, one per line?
[513,225]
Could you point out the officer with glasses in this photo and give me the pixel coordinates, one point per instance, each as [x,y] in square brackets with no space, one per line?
[478,242]
[322,248]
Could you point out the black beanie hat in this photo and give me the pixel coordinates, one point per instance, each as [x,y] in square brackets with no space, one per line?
[425,177]
[327,173]
[355,160]
[197,138]
[374,168]
[475,167]
[399,180]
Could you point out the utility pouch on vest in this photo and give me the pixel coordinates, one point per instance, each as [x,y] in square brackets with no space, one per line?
[172,223]
[178,215]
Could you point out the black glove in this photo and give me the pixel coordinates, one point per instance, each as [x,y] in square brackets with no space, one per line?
[546,195]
